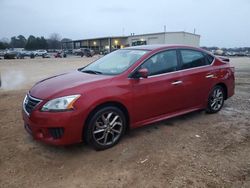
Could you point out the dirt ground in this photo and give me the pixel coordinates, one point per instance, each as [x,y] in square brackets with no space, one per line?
[194,150]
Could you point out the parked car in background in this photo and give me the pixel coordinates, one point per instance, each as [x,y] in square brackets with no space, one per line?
[60,54]
[84,52]
[88,52]
[230,53]
[68,51]
[104,52]
[2,52]
[24,53]
[10,54]
[45,56]
[241,54]
[40,52]
[126,89]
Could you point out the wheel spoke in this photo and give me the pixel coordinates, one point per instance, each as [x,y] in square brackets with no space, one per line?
[220,98]
[98,139]
[113,137]
[113,121]
[105,139]
[213,103]
[116,131]
[104,119]
[216,106]
[218,93]
[99,131]
[116,123]
[108,117]
[99,126]
[214,94]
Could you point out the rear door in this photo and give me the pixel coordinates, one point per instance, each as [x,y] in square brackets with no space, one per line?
[161,92]
[197,75]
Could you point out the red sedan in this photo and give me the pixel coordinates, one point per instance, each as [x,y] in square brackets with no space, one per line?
[126,89]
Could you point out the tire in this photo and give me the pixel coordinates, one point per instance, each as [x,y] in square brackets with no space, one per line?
[215,100]
[100,132]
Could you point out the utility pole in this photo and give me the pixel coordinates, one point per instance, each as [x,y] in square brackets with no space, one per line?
[123,31]
[0,81]
[165,30]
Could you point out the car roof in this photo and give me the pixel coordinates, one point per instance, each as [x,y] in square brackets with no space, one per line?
[158,47]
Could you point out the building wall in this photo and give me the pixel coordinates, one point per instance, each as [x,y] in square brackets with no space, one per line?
[182,38]
[112,43]
[167,38]
[150,39]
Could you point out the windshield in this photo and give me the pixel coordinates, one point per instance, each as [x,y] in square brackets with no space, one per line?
[115,62]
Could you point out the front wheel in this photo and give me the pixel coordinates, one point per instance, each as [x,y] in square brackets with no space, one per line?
[105,128]
[215,100]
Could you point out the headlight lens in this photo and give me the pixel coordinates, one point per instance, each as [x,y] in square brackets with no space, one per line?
[60,104]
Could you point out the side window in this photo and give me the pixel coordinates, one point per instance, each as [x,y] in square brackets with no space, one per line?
[191,59]
[209,58]
[162,62]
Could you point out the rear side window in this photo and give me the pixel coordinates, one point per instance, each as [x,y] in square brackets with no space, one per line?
[191,59]
[162,62]
[210,58]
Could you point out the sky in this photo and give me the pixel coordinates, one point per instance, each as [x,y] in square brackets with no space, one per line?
[222,23]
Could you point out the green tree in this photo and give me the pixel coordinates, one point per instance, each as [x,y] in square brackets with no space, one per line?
[18,42]
[13,42]
[4,45]
[31,43]
[43,43]
[54,41]
[35,43]
[21,41]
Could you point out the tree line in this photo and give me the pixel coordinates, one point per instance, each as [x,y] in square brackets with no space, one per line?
[33,43]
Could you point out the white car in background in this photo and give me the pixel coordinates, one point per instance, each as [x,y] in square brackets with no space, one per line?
[2,52]
[40,52]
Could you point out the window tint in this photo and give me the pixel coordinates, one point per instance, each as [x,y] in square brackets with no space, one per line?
[115,62]
[162,62]
[210,58]
[191,59]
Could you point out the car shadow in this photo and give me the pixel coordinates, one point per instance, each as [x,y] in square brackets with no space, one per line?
[171,122]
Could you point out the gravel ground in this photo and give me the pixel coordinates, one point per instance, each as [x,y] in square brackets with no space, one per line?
[194,150]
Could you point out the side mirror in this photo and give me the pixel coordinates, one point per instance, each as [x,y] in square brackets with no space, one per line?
[142,73]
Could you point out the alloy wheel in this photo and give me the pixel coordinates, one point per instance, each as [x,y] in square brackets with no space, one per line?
[107,128]
[217,98]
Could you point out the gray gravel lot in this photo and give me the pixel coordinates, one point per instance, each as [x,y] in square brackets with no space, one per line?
[194,150]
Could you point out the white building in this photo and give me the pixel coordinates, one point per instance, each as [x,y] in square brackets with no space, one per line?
[166,38]
[112,43]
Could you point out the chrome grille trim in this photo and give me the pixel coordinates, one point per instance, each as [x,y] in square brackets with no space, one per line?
[30,102]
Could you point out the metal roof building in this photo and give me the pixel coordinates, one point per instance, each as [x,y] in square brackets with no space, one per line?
[116,42]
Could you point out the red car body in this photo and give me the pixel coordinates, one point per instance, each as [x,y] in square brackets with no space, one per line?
[143,101]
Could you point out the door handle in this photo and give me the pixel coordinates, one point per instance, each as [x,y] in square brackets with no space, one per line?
[177,82]
[210,76]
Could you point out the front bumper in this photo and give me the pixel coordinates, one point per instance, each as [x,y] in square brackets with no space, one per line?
[58,128]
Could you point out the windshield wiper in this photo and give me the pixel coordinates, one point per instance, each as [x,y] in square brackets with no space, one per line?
[92,72]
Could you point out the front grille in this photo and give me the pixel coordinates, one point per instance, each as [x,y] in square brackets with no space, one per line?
[56,133]
[30,103]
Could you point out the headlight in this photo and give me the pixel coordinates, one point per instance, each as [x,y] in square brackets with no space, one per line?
[60,104]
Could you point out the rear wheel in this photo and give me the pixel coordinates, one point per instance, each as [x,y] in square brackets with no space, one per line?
[215,100]
[105,128]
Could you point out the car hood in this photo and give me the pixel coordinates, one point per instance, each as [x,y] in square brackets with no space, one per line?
[66,84]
